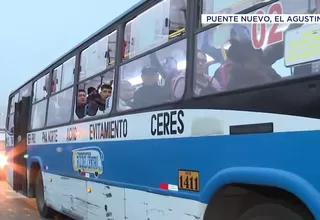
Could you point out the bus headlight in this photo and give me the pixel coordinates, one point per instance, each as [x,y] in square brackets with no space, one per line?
[3,160]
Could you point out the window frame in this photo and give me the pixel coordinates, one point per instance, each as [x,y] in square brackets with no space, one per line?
[47,109]
[11,97]
[8,112]
[53,72]
[46,73]
[62,73]
[29,86]
[141,11]
[163,46]
[45,116]
[111,68]
[43,74]
[76,55]
[96,41]
[199,29]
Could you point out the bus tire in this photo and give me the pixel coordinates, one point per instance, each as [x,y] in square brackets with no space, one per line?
[43,209]
[274,211]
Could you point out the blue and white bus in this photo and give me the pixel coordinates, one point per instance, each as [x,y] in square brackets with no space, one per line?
[158,117]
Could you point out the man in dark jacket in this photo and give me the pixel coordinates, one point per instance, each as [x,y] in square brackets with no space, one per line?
[81,104]
[98,101]
[248,67]
[150,93]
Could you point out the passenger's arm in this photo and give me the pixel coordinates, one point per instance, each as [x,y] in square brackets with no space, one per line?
[210,50]
[155,62]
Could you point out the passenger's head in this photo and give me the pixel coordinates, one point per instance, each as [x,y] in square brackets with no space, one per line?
[243,52]
[150,75]
[81,97]
[92,90]
[106,91]
[126,90]
[201,63]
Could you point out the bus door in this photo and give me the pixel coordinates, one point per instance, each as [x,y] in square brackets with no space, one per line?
[21,119]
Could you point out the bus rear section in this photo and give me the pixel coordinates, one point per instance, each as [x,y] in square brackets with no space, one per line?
[16,144]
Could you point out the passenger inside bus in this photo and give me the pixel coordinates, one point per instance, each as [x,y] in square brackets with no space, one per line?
[81,103]
[97,90]
[92,93]
[204,84]
[152,76]
[99,102]
[248,68]
[169,71]
[150,88]
[96,102]
[243,66]
[126,92]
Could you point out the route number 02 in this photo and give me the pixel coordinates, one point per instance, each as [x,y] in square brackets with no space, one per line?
[268,34]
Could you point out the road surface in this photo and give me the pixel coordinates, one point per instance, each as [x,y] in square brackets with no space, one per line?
[14,206]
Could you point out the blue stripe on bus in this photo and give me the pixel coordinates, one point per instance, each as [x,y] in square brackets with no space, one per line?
[272,159]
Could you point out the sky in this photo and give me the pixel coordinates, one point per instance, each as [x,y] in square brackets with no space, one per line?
[35,33]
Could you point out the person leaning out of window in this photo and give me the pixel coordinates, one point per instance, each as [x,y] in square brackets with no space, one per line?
[98,102]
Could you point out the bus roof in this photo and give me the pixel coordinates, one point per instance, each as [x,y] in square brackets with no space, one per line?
[83,42]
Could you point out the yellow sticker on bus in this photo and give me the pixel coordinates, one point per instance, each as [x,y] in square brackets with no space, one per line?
[189,180]
[302,45]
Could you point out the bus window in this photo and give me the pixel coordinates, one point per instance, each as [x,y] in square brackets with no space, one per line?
[227,7]
[38,114]
[68,73]
[14,99]
[41,88]
[92,95]
[155,27]
[248,55]
[60,109]
[11,110]
[63,75]
[10,121]
[106,51]
[98,56]
[56,79]
[26,91]
[151,79]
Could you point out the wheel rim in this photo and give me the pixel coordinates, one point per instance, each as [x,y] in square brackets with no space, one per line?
[40,194]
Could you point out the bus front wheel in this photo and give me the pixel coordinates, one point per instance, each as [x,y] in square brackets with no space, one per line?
[272,211]
[43,209]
